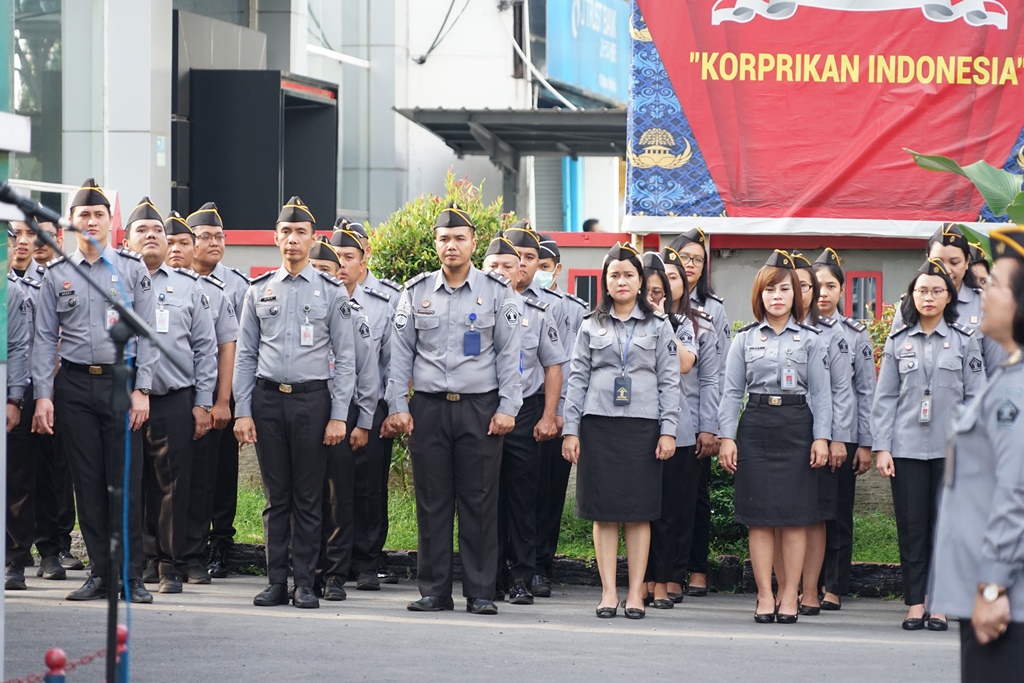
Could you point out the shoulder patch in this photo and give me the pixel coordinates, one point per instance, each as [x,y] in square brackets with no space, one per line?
[330,278]
[418,278]
[216,282]
[678,318]
[11,277]
[966,331]
[128,253]
[827,322]
[554,293]
[854,324]
[578,300]
[660,315]
[590,314]
[377,293]
[897,332]
[717,298]
[40,269]
[188,273]
[262,277]
[499,278]
[537,304]
[706,316]
[242,275]
[32,282]
[59,259]
[812,328]
[744,328]
[392,284]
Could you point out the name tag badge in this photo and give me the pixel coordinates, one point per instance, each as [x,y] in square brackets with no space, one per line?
[306,335]
[924,415]
[623,390]
[163,320]
[789,378]
[471,343]
[112,317]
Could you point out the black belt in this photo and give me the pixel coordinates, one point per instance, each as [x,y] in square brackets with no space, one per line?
[172,392]
[777,400]
[299,388]
[454,398]
[94,370]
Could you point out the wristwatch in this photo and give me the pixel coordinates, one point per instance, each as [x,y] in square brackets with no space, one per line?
[208,409]
[990,592]
[18,403]
[145,392]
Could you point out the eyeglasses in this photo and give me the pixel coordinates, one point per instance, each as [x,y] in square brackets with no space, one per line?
[935,293]
[206,237]
[805,287]
[694,260]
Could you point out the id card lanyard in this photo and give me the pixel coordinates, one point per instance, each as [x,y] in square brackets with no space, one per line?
[924,415]
[622,394]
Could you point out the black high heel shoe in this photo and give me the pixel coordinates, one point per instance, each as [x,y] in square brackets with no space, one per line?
[763,618]
[607,612]
[784,618]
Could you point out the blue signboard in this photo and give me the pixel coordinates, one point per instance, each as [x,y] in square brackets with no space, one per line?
[588,46]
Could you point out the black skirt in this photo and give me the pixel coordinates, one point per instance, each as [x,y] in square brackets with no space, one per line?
[775,485]
[618,479]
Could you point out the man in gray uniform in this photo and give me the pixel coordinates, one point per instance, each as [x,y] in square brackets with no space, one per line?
[180,404]
[291,320]
[20,486]
[457,340]
[77,317]
[208,227]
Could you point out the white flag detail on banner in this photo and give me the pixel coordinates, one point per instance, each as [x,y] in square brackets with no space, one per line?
[974,12]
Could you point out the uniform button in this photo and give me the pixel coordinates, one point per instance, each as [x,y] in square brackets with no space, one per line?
[452,323]
[449,374]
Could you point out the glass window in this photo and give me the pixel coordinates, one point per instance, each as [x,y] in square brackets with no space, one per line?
[863,295]
[232,11]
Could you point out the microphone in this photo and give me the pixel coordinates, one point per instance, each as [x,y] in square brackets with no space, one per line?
[30,207]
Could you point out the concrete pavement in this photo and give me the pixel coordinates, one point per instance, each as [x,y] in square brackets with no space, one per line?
[214,633]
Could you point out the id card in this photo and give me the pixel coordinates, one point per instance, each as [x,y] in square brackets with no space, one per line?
[623,391]
[789,378]
[471,343]
[924,415]
[306,335]
[112,316]
[163,320]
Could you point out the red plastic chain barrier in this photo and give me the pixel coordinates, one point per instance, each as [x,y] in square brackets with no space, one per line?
[57,663]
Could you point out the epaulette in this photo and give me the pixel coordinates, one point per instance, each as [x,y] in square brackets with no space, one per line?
[537,304]
[242,275]
[499,278]
[54,262]
[354,305]
[707,316]
[1014,359]
[40,269]
[660,315]
[188,273]
[128,253]
[827,322]
[678,318]
[377,293]
[391,283]
[967,331]
[262,277]
[717,298]
[812,328]
[554,292]
[855,324]
[894,333]
[330,278]
[418,278]
[11,277]
[590,314]
[215,281]
[32,282]
[578,300]
[745,327]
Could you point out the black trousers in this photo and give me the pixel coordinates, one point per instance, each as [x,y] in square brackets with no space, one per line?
[338,532]
[168,451]
[55,491]
[672,533]
[551,486]
[455,462]
[915,493]
[225,488]
[1001,661]
[372,464]
[839,531]
[82,411]
[293,461]
[200,496]
[517,494]
[22,467]
[698,561]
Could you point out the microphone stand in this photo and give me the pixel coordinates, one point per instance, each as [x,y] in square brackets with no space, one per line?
[129,324]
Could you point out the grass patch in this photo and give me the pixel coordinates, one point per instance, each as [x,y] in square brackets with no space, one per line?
[874,538]
[249,515]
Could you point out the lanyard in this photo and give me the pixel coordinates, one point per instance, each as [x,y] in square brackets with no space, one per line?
[929,368]
[624,352]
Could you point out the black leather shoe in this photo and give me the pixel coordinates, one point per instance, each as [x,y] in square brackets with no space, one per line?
[218,566]
[675,597]
[138,594]
[170,583]
[273,595]
[607,612]
[696,591]
[387,576]
[913,624]
[197,574]
[480,606]
[14,578]
[785,618]
[51,570]
[368,581]
[519,594]
[540,586]
[764,618]
[151,574]
[662,604]
[807,611]
[432,603]
[936,624]
[305,599]
[648,600]
[829,606]
[69,561]
[334,591]
[92,589]
[635,613]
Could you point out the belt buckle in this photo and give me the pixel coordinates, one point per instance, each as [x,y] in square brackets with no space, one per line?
[775,400]
[284,388]
[95,370]
[453,397]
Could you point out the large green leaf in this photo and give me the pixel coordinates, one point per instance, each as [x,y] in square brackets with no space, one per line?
[999,188]
[1016,209]
[975,237]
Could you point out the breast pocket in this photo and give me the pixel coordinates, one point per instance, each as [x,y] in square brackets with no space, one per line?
[753,355]
[950,373]
[270,316]
[646,350]
[531,336]
[908,373]
[67,304]
[428,333]
[484,324]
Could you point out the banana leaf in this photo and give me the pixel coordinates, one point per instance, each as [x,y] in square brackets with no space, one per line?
[1000,188]
[975,237]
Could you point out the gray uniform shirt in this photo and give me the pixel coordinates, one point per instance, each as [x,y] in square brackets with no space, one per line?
[652,364]
[757,360]
[979,536]
[956,376]
[236,284]
[276,307]
[72,313]
[571,318]
[181,299]
[427,346]
[700,386]
[367,387]
[225,322]
[31,284]
[390,287]
[715,307]
[686,429]
[19,334]
[541,343]
[862,358]
[379,307]
[844,414]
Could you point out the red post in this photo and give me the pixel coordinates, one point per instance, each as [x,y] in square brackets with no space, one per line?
[56,660]
[122,653]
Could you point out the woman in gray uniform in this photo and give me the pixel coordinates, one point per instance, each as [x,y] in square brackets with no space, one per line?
[931,366]
[978,568]
[621,414]
[782,365]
